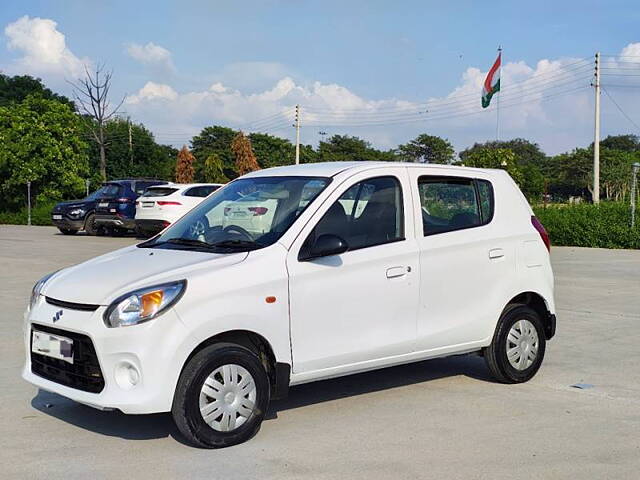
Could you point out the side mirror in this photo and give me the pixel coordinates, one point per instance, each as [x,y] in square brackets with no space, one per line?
[324,246]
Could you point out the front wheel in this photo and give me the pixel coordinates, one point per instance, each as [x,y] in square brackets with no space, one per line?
[90,226]
[221,397]
[518,346]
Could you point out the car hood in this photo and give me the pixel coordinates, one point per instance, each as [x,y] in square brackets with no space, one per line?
[101,280]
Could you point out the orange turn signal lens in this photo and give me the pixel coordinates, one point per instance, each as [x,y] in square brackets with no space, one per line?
[270,299]
[151,302]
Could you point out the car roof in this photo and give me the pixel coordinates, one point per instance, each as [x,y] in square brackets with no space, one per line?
[331,169]
[184,186]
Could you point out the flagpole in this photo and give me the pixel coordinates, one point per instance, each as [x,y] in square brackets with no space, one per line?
[498,105]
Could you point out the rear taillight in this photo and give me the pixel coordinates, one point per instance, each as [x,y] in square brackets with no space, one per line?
[124,200]
[163,203]
[258,210]
[543,233]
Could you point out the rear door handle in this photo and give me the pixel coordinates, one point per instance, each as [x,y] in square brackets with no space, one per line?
[395,272]
[496,253]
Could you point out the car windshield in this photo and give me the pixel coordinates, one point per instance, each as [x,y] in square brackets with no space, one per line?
[246,214]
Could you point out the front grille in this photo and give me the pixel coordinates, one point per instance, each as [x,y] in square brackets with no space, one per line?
[84,374]
[83,307]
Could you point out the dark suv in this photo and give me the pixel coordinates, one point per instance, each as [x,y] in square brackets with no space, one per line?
[75,215]
[116,207]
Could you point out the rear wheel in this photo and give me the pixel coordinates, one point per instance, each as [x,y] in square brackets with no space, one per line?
[518,346]
[221,397]
[68,231]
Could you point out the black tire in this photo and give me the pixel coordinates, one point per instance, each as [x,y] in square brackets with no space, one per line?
[496,354]
[186,406]
[90,226]
[68,231]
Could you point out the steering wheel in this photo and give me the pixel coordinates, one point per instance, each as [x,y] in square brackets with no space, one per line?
[198,228]
[240,230]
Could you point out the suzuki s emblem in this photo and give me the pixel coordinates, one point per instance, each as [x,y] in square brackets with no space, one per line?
[57,316]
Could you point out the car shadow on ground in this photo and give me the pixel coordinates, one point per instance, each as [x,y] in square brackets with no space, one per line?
[145,427]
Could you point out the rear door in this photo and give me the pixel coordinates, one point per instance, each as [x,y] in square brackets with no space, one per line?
[464,263]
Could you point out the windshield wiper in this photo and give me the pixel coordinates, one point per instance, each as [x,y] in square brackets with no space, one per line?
[193,242]
[238,244]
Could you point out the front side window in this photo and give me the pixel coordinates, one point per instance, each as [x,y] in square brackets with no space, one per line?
[367,214]
[246,214]
[451,203]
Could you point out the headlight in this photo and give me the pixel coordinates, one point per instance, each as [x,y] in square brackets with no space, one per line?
[37,288]
[76,212]
[144,304]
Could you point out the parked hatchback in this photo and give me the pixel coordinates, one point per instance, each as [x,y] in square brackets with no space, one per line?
[362,266]
[116,207]
[160,206]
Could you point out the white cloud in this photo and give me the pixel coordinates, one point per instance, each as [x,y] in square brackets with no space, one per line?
[151,55]
[43,49]
[152,92]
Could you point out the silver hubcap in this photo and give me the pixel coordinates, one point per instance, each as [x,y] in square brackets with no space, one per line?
[522,345]
[227,397]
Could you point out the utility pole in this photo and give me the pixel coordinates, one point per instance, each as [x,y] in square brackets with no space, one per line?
[596,136]
[634,182]
[130,143]
[297,125]
[29,203]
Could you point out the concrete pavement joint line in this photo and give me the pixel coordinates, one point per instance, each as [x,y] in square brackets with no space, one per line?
[625,315]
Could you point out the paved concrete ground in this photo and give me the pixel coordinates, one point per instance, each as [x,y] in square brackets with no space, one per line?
[436,419]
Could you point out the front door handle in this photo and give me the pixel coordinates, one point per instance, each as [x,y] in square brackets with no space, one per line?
[496,253]
[395,272]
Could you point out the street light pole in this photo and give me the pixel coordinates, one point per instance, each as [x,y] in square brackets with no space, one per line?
[596,136]
[634,186]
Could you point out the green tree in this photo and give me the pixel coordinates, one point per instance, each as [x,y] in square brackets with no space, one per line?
[344,148]
[184,166]
[18,88]
[214,169]
[624,143]
[42,143]
[142,158]
[502,158]
[526,152]
[272,151]
[427,149]
[214,140]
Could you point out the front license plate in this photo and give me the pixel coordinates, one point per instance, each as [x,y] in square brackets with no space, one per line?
[57,217]
[103,204]
[53,346]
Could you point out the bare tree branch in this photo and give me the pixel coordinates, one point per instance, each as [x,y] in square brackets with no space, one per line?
[91,96]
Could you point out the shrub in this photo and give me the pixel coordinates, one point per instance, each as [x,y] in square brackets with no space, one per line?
[40,215]
[607,225]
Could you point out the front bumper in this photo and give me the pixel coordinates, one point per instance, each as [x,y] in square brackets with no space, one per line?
[114,221]
[156,350]
[68,223]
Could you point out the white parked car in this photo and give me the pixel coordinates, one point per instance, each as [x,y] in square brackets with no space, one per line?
[361,266]
[161,206]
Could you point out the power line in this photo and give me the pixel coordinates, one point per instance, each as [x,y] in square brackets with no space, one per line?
[621,110]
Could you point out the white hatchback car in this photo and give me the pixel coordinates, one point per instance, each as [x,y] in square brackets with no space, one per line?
[162,205]
[363,265]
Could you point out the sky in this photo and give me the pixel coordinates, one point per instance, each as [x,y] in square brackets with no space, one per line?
[382,70]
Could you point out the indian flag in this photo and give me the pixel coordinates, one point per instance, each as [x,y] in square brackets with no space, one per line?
[491,83]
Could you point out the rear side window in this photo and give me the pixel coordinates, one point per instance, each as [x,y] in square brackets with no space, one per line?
[111,190]
[452,203]
[200,191]
[159,191]
[367,214]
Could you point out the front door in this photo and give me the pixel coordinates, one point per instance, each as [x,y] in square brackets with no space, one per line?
[361,305]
